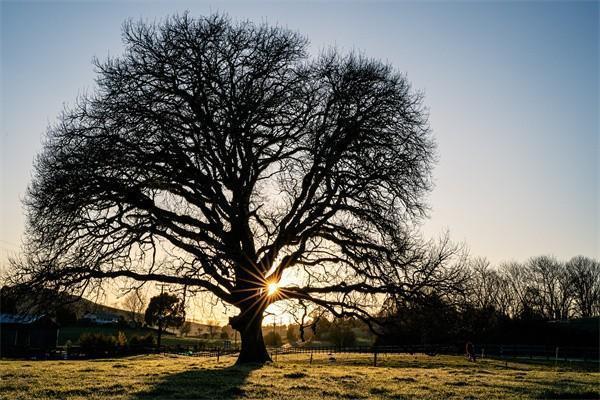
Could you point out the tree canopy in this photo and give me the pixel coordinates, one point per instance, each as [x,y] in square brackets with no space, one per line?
[220,156]
[164,311]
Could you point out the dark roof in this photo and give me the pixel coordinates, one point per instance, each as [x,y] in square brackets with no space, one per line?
[6,318]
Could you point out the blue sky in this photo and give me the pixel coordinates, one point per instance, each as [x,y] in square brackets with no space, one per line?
[512,90]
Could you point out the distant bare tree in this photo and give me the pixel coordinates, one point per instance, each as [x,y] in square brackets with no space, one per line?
[489,287]
[135,303]
[483,285]
[516,278]
[217,156]
[213,327]
[185,328]
[584,275]
[549,278]
[505,303]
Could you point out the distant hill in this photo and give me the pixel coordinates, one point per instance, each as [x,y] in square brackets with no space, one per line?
[83,306]
[47,303]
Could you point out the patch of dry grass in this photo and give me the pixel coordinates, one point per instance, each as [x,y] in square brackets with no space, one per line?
[292,377]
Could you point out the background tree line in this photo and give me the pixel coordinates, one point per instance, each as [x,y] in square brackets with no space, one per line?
[540,301]
[543,288]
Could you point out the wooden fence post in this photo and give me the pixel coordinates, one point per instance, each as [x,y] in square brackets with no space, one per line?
[374,357]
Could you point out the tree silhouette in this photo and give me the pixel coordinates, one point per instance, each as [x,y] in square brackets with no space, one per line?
[584,278]
[164,311]
[218,156]
[135,302]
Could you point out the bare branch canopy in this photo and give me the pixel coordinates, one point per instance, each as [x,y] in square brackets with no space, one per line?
[219,155]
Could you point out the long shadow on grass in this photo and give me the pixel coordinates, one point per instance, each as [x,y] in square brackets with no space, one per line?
[202,383]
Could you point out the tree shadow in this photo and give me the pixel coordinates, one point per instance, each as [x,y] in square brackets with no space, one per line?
[201,383]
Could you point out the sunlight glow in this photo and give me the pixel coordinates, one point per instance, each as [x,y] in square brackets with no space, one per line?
[272,288]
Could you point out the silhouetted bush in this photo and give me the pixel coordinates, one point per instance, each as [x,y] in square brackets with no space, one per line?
[142,341]
[97,343]
[342,335]
[273,339]
[290,334]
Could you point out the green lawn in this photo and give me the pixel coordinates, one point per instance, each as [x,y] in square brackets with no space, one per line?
[292,377]
[73,333]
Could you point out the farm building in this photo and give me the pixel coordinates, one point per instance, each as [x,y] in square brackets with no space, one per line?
[101,318]
[26,333]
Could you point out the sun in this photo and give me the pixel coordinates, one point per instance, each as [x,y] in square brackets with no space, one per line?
[272,288]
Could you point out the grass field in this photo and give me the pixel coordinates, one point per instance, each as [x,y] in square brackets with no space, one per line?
[292,377]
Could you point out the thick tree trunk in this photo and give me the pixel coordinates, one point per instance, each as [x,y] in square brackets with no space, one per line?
[253,348]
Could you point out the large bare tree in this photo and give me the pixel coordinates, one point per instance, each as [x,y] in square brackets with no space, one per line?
[219,156]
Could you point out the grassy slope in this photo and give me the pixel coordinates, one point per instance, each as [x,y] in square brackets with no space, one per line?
[73,333]
[291,377]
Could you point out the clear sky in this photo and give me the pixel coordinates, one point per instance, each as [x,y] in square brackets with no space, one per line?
[512,90]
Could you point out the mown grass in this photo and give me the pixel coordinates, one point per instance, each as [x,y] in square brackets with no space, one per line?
[293,377]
